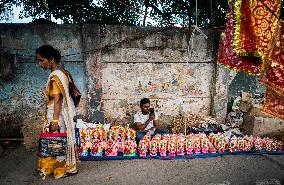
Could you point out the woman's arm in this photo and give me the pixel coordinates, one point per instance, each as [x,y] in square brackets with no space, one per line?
[58,98]
[57,106]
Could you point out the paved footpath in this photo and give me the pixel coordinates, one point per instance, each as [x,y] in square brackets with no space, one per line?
[17,166]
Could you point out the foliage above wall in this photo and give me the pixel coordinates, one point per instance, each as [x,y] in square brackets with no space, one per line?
[122,12]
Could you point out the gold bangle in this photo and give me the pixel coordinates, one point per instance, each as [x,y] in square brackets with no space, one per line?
[55,121]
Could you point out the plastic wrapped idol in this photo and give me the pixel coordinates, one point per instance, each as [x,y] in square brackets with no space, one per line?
[267,144]
[147,138]
[97,138]
[211,148]
[166,136]
[163,145]
[84,143]
[196,144]
[129,133]
[248,143]
[204,144]
[157,137]
[172,146]
[154,145]
[111,147]
[221,143]
[97,148]
[241,144]
[258,143]
[233,146]
[144,145]
[143,148]
[180,144]
[279,146]
[119,132]
[189,144]
[130,147]
[225,144]
[274,146]
[213,138]
[97,133]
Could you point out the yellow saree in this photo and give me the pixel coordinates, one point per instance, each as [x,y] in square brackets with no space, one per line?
[63,165]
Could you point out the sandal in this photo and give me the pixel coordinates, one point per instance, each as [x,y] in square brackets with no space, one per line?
[68,174]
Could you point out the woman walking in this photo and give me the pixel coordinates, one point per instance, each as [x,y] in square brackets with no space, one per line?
[60,111]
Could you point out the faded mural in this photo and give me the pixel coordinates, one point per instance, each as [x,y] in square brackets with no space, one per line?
[114,67]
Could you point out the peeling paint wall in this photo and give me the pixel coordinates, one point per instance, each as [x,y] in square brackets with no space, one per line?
[114,67]
[22,92]
[159,64]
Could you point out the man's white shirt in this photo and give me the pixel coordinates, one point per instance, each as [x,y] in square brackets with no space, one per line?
[139,117]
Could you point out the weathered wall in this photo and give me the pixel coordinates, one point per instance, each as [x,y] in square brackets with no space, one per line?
[21,92]
[155,63]
[114,67]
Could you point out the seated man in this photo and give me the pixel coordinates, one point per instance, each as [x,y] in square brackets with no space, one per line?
[146,120]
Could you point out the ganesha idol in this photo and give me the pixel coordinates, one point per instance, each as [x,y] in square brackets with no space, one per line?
[189,145]
[221,145]
[241,144]
[279,146]
[258,143]
[204,145]
[130,147]
[97,148]
[153,147]
[274,146]
[163,147]
[248,143]
[196,145]
[83,149]
[267,143]
[119,131]
[84,145]
[180,144]
[172,147]
[129,133]
[233,147]
[166,136]
[111,148]
[143,147]
[97,133]
[211,148]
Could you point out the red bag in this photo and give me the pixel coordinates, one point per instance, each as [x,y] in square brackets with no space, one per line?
[52,144]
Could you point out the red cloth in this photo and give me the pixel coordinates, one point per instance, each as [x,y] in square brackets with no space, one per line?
[227,55]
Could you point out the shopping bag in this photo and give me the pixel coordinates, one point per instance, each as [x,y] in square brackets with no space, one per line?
[52,144]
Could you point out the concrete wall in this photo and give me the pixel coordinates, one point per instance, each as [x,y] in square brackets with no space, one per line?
[114,67]
[22,89]
[156,64]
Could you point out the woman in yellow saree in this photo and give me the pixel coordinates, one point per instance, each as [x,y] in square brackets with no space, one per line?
[60,111]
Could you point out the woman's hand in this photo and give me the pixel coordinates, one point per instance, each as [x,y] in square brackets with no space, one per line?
[53,127]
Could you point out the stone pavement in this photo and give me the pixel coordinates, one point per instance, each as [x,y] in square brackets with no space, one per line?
[18,167]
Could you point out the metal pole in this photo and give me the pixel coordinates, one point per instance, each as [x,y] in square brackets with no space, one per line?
[196,13]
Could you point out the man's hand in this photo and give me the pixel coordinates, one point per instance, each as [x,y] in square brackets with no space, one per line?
[151,117]
[152,128]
